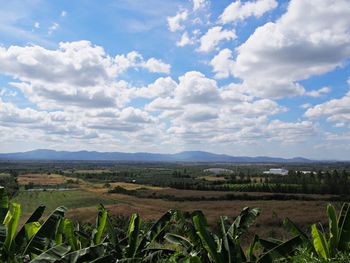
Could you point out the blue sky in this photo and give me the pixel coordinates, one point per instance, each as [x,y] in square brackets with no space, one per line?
[261,77]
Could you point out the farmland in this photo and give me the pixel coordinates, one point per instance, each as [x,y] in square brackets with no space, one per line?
[151,189]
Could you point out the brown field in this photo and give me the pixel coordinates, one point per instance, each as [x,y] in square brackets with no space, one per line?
[269,223]
[44,179]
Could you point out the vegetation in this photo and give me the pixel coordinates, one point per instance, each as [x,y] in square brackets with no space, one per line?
[174,237]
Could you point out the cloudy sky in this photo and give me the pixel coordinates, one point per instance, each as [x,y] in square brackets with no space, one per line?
[262,77]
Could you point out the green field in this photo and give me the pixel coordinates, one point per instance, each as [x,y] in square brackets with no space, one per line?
[51,199]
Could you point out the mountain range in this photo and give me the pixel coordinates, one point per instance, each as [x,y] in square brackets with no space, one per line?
[186,156]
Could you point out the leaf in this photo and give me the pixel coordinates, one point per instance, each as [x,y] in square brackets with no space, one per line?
[333,230]
[206,238]
[100,224]
[11,222]
[320,243]
[179,240]
[292,228]
[86,254]
[53,254]
[46,234]
[4,203]
[3,234]
[242,222]
[228,245]
[31,229]
[36,215]
[133,235]
[68,230]
[282,250]
[159,226]
[157,229]
[268,244]
[191,259]
[252,248]
[154,255]
[344,227]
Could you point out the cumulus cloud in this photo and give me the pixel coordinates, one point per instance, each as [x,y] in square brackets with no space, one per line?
[194,87]
[239,11]
[290,132]
[175,22]
[185,40]
[76,63]
[135,60]
[223,64]
[311,38]
[335,110]
[319,92]
[77,74]
[211,39]
[161,87]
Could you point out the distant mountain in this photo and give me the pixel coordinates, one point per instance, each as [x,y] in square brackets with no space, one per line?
[187,156]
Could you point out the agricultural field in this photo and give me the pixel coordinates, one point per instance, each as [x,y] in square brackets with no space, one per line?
[151,189]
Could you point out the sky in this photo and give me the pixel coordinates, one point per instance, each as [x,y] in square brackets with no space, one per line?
[245,78]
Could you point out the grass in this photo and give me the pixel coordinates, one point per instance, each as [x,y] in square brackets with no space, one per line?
[51,199]
[213,178]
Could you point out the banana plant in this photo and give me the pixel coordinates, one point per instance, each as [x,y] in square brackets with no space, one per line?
[338,238]
[206,246]
[326,245]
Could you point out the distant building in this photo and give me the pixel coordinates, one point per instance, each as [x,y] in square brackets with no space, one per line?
[218,171]
[280,171]
[306,172]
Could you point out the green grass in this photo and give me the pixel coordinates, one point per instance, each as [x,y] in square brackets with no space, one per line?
[51,199]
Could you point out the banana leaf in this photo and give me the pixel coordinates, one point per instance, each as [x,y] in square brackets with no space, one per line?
[46,235]
[52,255]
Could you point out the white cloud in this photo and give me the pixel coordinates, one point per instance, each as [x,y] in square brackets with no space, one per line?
[63,13]
[199,4]
[240,11]
[37,25]
[290,132]
[77,74]
[210,40]
[195,88]
[223,64]
[306,105]
[135,60]
[311,38]
[162,87]
[185,40]
[53,28]
[7,93]
[174,22]
[336,110]
[319,92]
[156,66]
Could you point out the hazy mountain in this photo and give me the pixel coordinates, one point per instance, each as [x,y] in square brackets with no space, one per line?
[187,156]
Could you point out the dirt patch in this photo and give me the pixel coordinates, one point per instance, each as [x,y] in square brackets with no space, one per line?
[44,179]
